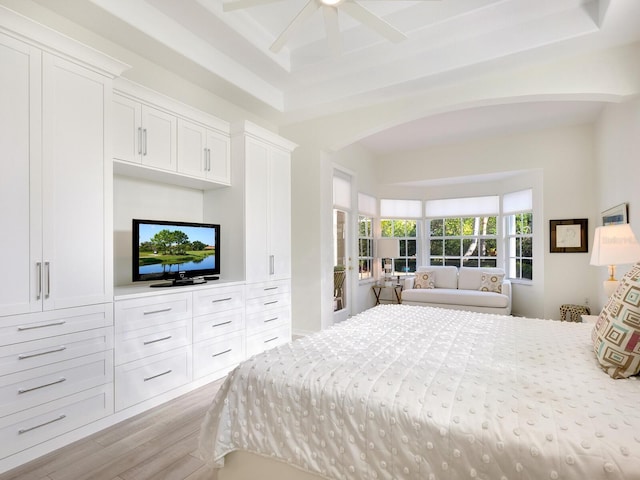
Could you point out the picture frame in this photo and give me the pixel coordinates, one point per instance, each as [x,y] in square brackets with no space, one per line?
[569,236]
[616,215]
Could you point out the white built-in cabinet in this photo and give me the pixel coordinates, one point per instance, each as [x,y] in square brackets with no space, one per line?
[56,310]
[159,139]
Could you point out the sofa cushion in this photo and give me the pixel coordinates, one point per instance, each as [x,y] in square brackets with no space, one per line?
[446,276]
[616,335]
[491,282]
[426,279]
[470,278]
[453,296]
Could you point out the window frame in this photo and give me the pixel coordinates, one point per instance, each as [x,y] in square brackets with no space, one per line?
[368,238]
[511,240]
[462,260]
[407,260]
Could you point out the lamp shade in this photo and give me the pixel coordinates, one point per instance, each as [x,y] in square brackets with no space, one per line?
[388,248]
[614,245]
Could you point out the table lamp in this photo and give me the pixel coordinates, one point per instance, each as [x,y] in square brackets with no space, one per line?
[388,249]
[614,245]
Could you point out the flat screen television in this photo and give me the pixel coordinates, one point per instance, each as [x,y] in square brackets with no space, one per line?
[164,250]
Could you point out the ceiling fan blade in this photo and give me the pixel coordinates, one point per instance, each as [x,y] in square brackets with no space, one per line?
[231,5]
[302,15]
[372,21]
[333,29]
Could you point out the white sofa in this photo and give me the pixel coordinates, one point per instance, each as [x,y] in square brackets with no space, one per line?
[459,289]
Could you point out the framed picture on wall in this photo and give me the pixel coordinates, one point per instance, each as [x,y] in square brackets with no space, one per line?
[569,236]
[616,215]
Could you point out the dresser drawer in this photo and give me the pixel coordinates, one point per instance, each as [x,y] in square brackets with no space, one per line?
[34,326]
[136,344]
[23,356]
[269,302]
[36,425]
[216,300]
[33,387]
[217,324]
[138,381]
[218,355]
[267,319]
[256,290]
[151,311]
[268,339]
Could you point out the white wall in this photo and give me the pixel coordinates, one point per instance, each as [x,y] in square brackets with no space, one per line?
[135,198]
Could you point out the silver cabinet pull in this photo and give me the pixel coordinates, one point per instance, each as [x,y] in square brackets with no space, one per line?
[39,270]
[25,390]
[270,319]
[157,340]
[222,300]
[221,353]
[270,288]
[220,324]
[158,375]
[157,311]
[25,430]
[271,340]
[47,284]
[272,267]
[144,134]
[54,324]
[271,303]
[139,140]
[31,355]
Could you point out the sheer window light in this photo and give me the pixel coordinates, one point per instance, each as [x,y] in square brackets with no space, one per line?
[367,205]
[521,201]
[341,192]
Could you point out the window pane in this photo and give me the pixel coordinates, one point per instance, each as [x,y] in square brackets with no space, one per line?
[469,226]
[489,247]
[452,227]
[453,262]
[527,247]
[436,261]
[488,262]
[436,228]
[399,228]
[412,248]
[412,228]
[469,247]
[386,228]
[436,247]
[527,269]
[452,247]
[470,262]
[491,226]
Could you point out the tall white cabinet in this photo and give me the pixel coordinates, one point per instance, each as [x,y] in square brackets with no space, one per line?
[56,313]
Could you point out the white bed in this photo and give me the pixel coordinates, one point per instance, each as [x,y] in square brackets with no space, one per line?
[409,392]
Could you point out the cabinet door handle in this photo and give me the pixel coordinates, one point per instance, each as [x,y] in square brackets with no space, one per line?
[47,284]
[39,273]
[270,288]
[144,134]
[270,319]
[158,375]
[31,355]
[149,342]
[271,339]
[271,303]
[139,140]
[222,300]
[25,390]
[25,430]
[157,311]
[220,324]
[221,353]
[54,324]
[272,264]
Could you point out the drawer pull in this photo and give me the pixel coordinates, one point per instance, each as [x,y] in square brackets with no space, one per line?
[270,319]
[271,303]
[221,353]
[271,339]
[25,430]
[222,300]
[25,390]
[157,340]
[270,288]
[55,324]
[158,311]
[220,324]
[158,375]
[31,355]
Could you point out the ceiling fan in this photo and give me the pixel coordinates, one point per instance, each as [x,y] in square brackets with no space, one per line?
[330,12]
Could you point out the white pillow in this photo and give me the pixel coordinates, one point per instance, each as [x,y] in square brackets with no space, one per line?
[491,282]
[425,279]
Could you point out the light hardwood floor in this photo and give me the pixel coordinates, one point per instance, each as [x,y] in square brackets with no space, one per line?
[159,444]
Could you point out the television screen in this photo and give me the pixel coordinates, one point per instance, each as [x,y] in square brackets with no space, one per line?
[164,250]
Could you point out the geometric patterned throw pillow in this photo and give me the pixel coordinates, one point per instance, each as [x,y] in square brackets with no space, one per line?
[616,335]
[491,282]
[425,279]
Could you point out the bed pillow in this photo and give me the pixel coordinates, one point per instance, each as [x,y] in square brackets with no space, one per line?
[491,282]
[425,279]
[616,335]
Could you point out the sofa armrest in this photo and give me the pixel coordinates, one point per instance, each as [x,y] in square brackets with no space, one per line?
[408,282]
[506,290]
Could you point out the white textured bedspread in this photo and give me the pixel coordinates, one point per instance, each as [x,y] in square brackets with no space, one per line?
[407,392]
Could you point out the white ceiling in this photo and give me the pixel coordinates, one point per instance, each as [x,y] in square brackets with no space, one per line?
[447,41]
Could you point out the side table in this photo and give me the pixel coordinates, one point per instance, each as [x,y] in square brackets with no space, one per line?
[397,290]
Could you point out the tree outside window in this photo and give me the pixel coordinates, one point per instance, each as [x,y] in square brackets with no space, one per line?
[463,241]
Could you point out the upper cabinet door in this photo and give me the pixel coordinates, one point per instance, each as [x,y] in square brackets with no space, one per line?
[76,235]
[258,260]
[280,213]
[219,158]
[20,149]
[127,130]
[192,149]
[158,139]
